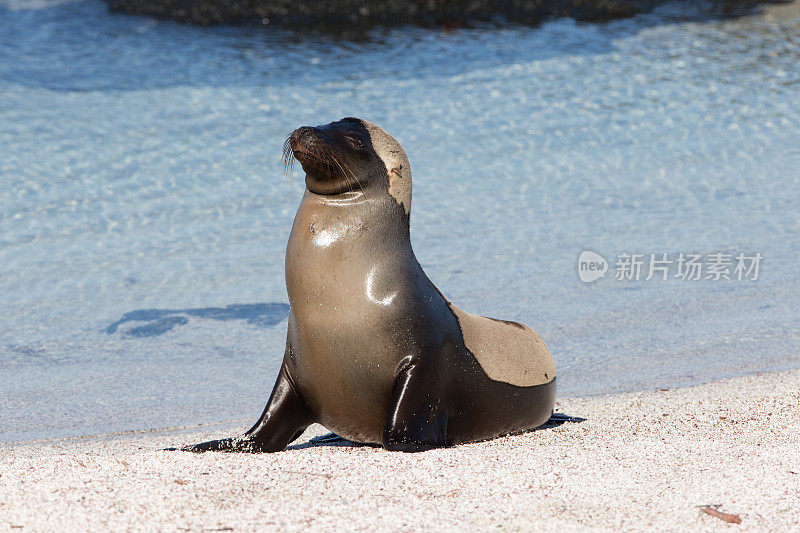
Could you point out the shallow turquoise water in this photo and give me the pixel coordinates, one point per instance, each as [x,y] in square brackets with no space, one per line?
[144,211]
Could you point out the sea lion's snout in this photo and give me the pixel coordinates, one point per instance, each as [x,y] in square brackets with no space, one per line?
[302,135]
[307,143]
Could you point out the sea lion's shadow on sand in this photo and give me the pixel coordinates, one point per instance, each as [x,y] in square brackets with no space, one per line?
[334,440]
[160,321]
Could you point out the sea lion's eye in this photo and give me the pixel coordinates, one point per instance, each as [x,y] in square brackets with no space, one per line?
[355,141]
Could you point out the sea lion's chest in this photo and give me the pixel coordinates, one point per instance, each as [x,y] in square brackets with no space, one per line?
[340,277]
[349,297]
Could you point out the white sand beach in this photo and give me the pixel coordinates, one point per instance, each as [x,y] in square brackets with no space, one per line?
[643,460]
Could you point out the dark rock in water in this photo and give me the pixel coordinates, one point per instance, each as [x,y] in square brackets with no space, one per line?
[342,15]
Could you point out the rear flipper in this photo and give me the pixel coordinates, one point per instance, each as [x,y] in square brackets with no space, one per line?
[556,419]
[284,419]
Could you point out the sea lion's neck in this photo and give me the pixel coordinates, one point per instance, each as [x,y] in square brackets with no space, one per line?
[345,199]
[353,219]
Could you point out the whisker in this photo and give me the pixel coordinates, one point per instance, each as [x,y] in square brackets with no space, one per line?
[341,167]
[288,160]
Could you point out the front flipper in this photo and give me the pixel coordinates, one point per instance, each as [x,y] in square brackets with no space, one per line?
[284,419]
[416,421]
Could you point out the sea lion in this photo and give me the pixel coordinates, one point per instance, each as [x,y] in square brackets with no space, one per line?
[374,352]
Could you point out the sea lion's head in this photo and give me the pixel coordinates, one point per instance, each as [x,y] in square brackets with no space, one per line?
[351,155]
